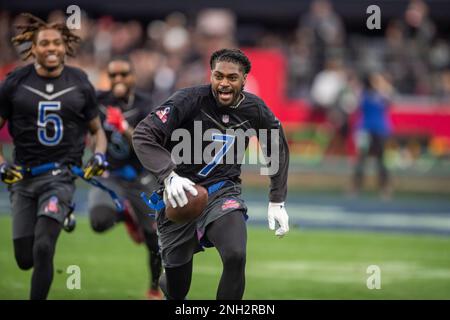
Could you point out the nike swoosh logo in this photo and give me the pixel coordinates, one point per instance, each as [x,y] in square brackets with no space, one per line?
[49,96]
[214,120]
[221,126]
[239,124]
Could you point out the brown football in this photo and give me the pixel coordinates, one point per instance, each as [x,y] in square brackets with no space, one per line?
[192,209]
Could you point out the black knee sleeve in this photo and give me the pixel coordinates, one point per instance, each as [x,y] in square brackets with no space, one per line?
[102,218]
[176,282]
[23,252]
[47,231]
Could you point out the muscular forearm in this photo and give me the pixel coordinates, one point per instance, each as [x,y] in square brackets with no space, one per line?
[98,134]
[100,141]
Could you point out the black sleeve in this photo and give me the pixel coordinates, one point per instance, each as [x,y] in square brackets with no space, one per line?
[5,101]
[151,137]
[91,107]
[276,151]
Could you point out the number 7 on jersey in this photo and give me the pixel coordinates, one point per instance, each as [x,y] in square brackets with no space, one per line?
[228,142]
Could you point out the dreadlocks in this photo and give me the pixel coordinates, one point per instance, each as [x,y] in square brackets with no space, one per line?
[29,32]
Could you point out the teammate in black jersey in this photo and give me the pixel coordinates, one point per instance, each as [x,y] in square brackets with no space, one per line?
[225,115]
[49,108]
[121,109]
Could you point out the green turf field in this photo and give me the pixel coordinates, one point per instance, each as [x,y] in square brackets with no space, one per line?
[305,265]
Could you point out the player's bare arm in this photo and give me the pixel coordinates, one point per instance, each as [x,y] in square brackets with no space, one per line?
[98,135]
[97,164]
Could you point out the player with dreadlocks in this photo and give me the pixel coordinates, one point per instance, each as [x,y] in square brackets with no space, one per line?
[49,107]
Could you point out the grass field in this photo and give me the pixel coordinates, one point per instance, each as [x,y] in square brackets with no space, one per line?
[305,265]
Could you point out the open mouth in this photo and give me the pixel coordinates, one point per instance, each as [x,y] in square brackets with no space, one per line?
[225,95]
[52,58]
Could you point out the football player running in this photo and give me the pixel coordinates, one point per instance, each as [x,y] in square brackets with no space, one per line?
[220,106]
[49,108]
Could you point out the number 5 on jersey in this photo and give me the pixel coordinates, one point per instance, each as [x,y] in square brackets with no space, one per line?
[45,117]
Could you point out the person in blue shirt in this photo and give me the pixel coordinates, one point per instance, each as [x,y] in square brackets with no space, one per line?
[373,129]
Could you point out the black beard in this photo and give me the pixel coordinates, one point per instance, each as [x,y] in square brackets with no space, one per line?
[216,97]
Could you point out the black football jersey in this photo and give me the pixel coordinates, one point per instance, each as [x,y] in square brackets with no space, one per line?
[120,151]
[47,117]
[215,135]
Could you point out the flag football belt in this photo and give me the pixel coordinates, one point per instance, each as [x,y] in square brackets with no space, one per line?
[156,202]
[127,172]
[46,167]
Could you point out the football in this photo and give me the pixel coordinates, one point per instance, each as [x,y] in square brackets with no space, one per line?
[191,210]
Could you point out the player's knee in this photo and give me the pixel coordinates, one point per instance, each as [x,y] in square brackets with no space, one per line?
[101,218]
[98,226]
[172,292]
[42,250]
[23,252]
[178,293]
[25,262]
[234,257]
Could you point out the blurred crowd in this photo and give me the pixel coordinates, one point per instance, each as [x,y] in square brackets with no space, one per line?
[323,58]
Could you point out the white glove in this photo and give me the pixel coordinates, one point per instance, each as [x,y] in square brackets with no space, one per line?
[277,213]
[175,187]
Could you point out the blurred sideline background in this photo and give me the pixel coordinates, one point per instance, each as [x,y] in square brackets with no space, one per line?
[308,59]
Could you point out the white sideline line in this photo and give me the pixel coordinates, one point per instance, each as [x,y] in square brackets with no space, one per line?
[336,215]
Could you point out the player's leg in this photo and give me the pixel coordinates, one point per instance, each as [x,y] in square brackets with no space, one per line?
[176,281]
[147,223]
[229,235]
[23,252]
[24,218]
[46,234]
[178,248]
[54,204]
[363,144]
[102,212]
[383,178]
[155,264]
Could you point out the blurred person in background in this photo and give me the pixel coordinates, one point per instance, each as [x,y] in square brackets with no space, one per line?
[419,32]
[324,32]
[334,99]
[372,131]
[121,109]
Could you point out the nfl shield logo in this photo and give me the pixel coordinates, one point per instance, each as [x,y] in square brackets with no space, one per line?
[225,118]
[49,87]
